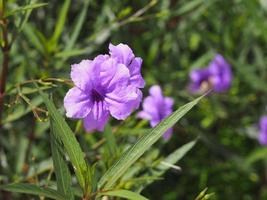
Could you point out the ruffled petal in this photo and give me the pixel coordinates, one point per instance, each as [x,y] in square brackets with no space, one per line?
[263,125]
[81,73]
[135,72]
[168,101]
[221,74]
[97,118]
[113,75]
[122,53]
[150,107]
[144,115]
[122,101]
[262,139]
[155,92]
[77,103]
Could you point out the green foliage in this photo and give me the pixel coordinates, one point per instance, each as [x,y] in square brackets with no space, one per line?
[62,172]
[34,190]
[144,143]
[67,137]
[124,194]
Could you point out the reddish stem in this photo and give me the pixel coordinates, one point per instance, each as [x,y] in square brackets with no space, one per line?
[3,78]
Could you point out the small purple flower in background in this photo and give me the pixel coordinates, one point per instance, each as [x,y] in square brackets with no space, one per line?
[263,130]
[217,76]
[156,107]
[107,85]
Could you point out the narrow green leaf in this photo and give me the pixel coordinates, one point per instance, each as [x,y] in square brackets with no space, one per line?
[69,141]
[143,144]
[70,53]
[110,141]
[124,194]
[61,21]
[33,189]
[189,6]
[32,37]
[175,156]
[62,172]
[256,155]
[78,26]
[25,8]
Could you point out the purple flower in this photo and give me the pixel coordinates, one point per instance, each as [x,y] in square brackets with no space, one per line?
[263,130]
[217,76]
[105,86]
[156,107]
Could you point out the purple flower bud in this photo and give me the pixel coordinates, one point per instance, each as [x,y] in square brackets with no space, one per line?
[107,85]
[263,130]
[217,76]
[156,107]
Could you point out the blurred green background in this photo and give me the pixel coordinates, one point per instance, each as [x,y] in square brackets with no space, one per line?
[172,37]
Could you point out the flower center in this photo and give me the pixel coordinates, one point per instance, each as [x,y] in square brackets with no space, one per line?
[96,96]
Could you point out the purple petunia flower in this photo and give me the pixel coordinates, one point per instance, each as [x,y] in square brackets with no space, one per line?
[156,107]
[217,76]
[107,85]
[263,130]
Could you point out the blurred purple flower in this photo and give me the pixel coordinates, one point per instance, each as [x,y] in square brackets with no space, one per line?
[156,107]
[217,76]
[263,130]
[105,86]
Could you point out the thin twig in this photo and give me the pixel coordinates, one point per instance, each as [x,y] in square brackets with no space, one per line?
[5,50]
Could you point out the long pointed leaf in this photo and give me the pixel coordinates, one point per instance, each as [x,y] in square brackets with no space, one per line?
[62,172]
[125,194]
[25,8]
[33,189]
[175,156]
[143,144]
[69,141]
[78,26]
[61,21]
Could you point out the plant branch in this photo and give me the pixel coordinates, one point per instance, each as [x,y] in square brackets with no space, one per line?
[5,50]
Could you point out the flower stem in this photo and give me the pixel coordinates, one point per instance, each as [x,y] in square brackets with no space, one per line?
[3,78]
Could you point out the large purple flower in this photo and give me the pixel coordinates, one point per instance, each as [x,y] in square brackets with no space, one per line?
[156,107]
[104,86]
[217,76]
[263,130]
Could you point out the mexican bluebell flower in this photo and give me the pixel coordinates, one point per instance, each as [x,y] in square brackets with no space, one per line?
[156,107]
[263,130]
[104,86]
[217,76]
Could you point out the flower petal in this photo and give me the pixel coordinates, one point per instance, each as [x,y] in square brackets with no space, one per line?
[155,92]
[144,115]
[150,107]
[97,118]
[81,73]
[113,75]
[122,53]
[168,134]
[135,72]
[168,101]
[221,74]
[77,103]
[122,101]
